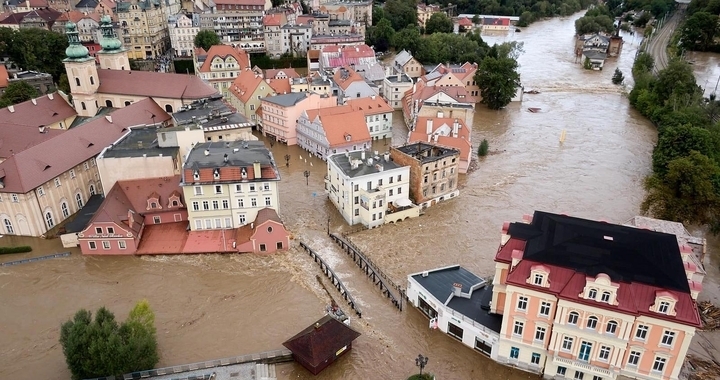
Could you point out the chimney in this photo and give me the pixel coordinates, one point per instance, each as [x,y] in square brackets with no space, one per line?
[429,138]
[440,114]
[429,127]
[516,256]
[369,161]
[34,101]
[256,170]
[41,129]
[504,237]
[11,109]
[108,118]
[386,156]
[456,126]
[207,152]
[372,96]
[362,155]
[457,289]
[225,158]
[51,96]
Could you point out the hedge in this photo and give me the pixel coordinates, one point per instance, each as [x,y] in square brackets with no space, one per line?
[19,249]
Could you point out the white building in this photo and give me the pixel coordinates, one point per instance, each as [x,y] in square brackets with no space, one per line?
[378,115]
[394,88]
[183,30]
[456,301]
[370,190]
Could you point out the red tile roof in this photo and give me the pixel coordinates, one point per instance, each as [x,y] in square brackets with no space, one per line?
[304,19]
[163,239]
[3,76]
[16,138]
[138,191]
[281,86]
[224,51]
[240,2]
[44,111]
[152,84]
[116,209]
[275,73]
[465,22]
[369,106]
[345,80]
[32,167]
[245,85]
[341,122]
[462,142]
[274,19]
[266,214]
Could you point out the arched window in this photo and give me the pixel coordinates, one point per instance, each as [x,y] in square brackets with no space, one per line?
[611,327]
[64,209]
[108,103]
[92,80]
[82,104]
[77,82]
[49,219]
[92,189]
[79,200]
[127,103]
[8,227]
[592,322]
[605,297]
[592,294]
[168,108]
[573,318]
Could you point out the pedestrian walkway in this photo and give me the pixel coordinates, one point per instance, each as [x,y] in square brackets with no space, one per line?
[174,238]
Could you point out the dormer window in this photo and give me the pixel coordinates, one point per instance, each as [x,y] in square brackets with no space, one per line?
[216,174]
[243,173]
[592,294]
[664,307]
[605,297]
[153,205]
[664,303]
[196,175]
[538,279]
[539,276]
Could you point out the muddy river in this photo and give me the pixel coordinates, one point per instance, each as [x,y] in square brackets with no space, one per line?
[213,306]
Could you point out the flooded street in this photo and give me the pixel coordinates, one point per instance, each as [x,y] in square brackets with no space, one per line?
[213,306]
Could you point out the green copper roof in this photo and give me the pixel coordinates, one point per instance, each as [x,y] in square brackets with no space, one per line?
[109,41]
[75,50]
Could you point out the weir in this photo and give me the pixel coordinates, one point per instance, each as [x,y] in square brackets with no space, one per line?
[334,279]
[371,270]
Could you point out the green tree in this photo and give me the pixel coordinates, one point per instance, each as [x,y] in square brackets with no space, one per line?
[401,13]
[497,75]
[676,83]
[688,193]
[483,148]
[475,19]
[641,21]
[438,23]
[101,347]
[526,18]
[699,31]
[643,63]
[17,92]
[64,84]
[407,39]
[206,38]
[6,37]
[618,76]
[381,35]
[594,24]
[679,141]
[377,14]
[39,49]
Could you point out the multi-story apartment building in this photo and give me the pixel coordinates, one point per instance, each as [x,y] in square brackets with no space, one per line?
[221,66]
[359,12]
[236,20]
[281,112]
[182,29]
[225,184]
[446,131]
[583,299]
[326,131]
[144,29]
[433,171]
[317,83]
[394,89]
[424,12]
[296,39]
[246,92]
[371,190]
[272,33]
[378,115]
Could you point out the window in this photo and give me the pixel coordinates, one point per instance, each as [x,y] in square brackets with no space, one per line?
[667,338]
[561,371]
[40,191]
[218,189]
[455,331]
[49,219]
[538,279]
[252,187]
[15,198]
[585,349]
[573,318]
[216,205]
[578,375]
[253,202]
[121,244]
[522,303]
[514,352]
[196,206]
[567,343]
[535,359]
[156,219]
[592,294]
[604,353]
[86,165]
[110,231]
[605,297]
[540,333]
[241,203]
[664,307]
[634,358]
[238,188]
[641,332]
[198,224]
[545,308]
[92,189]
[518,328]
[206,205]
[597,378]
[198,190]
[8,227]
[266,186]
[263,248]
[592,323]
[241,219]
[279,245]
[225,204]
[196,175]
[106,244]
[659,364]
[267,201]
[64,210]
[228,223]
[57,182]
[611,327]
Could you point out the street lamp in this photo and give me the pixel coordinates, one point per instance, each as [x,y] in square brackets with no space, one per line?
[306,173]
[287,160]
[421,361]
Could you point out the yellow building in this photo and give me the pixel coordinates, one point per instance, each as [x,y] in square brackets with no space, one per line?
[144,28]
[424,12]
[246,92]
[221,65]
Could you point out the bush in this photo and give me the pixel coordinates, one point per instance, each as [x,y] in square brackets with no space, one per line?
[424,376]
[19,249]
[483,148]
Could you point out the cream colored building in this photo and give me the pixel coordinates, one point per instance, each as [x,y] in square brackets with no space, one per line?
[424,12]
[182,30]
[246,92]
[226,184]
[236,20]
[394,88]
[144,28]
[405,63]
[319,84]
[221,65]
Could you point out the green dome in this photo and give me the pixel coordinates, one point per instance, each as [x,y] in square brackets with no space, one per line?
[109,42]
[76,51]
[70,26]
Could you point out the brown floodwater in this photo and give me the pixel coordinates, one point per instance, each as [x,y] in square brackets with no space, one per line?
[212,306]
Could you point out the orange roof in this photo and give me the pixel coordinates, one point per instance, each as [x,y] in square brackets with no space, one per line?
[304,19]
[73,16]
[281,86]
[313,113]
[245,85]
[370,106]
[274,19]
[464,21]
[3,76]
[344,80]
[339,126]
[275,73]
[441,126]
[313,54]
[224,51]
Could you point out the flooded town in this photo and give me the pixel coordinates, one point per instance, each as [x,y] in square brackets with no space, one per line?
[582,152]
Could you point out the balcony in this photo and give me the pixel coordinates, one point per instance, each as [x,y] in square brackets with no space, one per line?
[584,366]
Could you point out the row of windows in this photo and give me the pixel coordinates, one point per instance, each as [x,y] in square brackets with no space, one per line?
[106,244]
[218,189]
[224,204]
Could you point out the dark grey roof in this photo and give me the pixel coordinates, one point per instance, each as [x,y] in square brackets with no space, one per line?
[82,217]
[593,54]
[624,253]
[343,162]
[425,152]
[87,4]
[296,26]
[139,142]
[286,100]
[29,74]
[398,78]
[239,153]
[211,114]
[440,282]
[340,23]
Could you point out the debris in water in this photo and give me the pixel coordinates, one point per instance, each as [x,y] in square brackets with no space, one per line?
[534,109]
[710,315]
[532,92]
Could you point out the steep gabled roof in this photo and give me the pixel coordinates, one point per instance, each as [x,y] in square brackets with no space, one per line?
[321,340]
[345,128]
[371,105]
[280,86]
[16,138]
[245,85]
[224,51]
[45,110]
[345,76]
[288,72]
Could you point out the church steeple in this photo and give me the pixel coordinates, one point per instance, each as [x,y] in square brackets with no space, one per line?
[112,56]
[82,74]
[75,50]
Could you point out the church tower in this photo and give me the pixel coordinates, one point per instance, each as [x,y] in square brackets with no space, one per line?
[82,74]
[112,56]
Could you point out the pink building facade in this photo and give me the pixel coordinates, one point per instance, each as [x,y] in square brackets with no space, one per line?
[280,113]
[266,235]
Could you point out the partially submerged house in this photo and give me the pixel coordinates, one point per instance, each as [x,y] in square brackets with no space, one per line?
[320,344]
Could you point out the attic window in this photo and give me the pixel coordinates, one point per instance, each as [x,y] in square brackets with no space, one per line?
[216,173]
[196,175]
[243,173]
[348,137]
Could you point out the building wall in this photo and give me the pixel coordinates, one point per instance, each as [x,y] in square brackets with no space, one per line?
[413,68]
[231,135]
[182,36]
[222,74]
[144,32]
[106,243]
[379,125]
[358,89]
[234,25]
[239,210]
[281,121]
[27,215]
[167,216]
[268,236]
[273,40]
[184,139]
[444,173]
[393,92]
[113,169]
[84,83]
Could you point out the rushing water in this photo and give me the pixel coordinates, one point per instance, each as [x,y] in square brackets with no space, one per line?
[212,306]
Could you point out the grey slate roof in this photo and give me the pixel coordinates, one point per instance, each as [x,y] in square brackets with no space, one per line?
[240,153]
[286,100]
[343,163]
[139,142]
[402,58]
[211,114]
